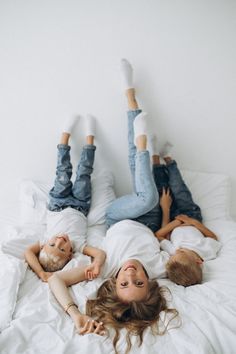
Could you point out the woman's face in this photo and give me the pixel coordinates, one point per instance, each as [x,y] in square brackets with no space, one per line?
[132,282]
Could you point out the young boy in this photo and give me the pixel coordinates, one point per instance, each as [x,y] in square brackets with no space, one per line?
[67,210]
[185,238]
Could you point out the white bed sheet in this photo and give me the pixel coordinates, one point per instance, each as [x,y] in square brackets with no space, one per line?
[207,312]
[32,322]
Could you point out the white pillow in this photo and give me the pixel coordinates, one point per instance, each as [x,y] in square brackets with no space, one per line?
[211,192]
[34,196]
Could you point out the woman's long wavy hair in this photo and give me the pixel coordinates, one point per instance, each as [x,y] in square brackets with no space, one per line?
[134,316]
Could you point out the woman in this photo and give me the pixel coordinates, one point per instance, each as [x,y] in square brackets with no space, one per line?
[131,298]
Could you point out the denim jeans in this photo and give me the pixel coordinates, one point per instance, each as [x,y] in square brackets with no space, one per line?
[169,176]
[65,194]
[145,195]
[153,217]
[165,176]
[182,198]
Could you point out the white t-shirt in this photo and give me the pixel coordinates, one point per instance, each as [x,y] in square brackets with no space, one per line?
[191,238]
[129,239]
[68,221]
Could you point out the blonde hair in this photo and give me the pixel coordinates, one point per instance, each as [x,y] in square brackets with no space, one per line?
[51,263]
[185,274]
[135,316]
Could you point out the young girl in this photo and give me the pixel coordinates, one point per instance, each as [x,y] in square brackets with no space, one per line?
[67,210]
[131,298]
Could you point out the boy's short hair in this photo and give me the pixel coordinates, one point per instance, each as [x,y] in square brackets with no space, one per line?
[51,263]
[185,274]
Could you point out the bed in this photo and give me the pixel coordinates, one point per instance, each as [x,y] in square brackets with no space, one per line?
[32,322]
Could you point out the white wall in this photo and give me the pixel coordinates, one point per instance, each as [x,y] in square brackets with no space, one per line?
[61,57]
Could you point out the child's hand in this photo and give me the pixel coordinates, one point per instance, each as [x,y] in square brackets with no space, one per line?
[165,200]
[85,324]
[160,238]
[186,220]
[44,276]
[92,271]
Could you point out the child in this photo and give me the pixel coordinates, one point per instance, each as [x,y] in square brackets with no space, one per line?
[67,210]
[185,238]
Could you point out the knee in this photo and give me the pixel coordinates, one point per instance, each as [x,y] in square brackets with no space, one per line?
[150,200]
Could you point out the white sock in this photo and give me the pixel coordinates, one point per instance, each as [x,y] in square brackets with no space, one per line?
[90,125]
[69,124]
[153,145]
[140,125]
[165,151]
[127,71]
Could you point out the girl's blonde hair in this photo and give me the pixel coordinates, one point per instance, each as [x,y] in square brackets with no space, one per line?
[134,316]
[51,263]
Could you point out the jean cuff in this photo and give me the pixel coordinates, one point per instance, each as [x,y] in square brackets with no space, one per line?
[89,147]
[133,113]
[63,147]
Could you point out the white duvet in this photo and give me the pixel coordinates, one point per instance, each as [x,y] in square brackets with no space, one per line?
[38,325]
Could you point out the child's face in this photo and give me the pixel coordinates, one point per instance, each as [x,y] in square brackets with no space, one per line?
[132,282]
[59,246]
[183,255]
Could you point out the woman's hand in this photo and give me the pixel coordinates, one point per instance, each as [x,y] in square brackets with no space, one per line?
[85,325]
[165,200]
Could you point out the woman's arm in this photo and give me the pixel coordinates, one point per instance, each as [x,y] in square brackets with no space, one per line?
[31,257]
[193,222]
[58,284]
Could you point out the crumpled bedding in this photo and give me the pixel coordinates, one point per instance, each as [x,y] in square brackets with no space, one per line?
[33,322]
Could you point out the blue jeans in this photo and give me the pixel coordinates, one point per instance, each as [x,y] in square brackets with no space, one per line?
[145,195]
[167,176]
[182,198]
[65,194]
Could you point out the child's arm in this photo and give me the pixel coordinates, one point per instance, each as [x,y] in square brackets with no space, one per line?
[165,231]
[99,256]
[58,284]
[31,257]
[193,222]
[165,204]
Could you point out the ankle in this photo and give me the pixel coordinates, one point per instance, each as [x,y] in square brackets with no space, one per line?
[65,138]
[156,160]
[141,142]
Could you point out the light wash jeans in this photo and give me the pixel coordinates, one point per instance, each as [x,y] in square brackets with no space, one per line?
[65,194]
[145,195]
